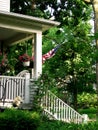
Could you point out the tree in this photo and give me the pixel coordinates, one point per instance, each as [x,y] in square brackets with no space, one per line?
[74,14]
[94,4]
[20,6]
[70,61]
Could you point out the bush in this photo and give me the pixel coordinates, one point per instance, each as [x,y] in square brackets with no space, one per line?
[87,100]
[57,125]
[91,112]
[12,119]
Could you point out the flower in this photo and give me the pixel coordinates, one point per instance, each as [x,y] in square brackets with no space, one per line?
[24,58]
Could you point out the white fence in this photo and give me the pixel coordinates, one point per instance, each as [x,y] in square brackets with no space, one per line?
[11,87]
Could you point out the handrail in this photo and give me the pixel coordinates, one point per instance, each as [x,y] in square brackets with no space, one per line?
[59,109]
[11,87]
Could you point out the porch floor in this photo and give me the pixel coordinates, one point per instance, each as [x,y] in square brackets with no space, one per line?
[22,106]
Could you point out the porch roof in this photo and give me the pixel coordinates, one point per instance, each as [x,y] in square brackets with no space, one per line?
[15,27]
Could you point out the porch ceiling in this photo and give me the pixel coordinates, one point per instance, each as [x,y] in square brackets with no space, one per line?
[15,27]
[11,36]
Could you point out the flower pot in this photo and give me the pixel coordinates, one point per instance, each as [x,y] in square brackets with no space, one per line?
[26,63]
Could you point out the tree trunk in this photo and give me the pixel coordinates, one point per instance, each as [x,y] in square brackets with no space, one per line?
[75,98]
[75,92]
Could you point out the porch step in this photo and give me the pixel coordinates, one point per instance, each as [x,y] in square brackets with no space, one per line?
[33,91]
[5,105]
[25,106]
[22,106]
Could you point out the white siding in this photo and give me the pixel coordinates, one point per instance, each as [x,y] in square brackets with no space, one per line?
[5,5]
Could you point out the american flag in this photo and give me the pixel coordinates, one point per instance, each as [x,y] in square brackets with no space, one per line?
[50,54]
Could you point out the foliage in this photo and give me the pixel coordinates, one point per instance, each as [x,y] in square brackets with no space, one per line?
[57,125]
[87,100]
[19,120]
[27,120]
[69,67]
[20,6]
[3,60]
[5,67]
[25,57]
[91,112]
[64,11]
[76,55]
[18,50]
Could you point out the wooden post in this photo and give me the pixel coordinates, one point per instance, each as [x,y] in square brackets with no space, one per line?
[27,88]
[85,117]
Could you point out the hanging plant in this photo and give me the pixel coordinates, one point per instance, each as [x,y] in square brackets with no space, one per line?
[24,58]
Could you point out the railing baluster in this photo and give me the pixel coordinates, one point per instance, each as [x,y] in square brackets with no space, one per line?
[64,112]
[9,88]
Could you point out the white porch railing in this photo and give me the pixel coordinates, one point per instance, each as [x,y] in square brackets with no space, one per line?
[11,87]
[57,109]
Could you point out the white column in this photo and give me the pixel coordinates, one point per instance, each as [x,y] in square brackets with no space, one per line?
[37,54]
[27,88]
[32,70]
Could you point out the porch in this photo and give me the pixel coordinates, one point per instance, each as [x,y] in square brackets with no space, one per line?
[14,86]
[15,28]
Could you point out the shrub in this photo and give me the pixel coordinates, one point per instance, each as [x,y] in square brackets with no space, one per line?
[57,125]
[12,119]
[87,100]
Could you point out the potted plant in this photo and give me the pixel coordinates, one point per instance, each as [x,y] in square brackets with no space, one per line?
[25,59]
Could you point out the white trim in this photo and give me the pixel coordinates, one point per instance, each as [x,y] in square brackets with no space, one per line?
[31,21]
[5,5]
[30,18]
[27,88]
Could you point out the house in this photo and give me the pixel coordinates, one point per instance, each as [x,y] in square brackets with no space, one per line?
[13,29]
[17,27]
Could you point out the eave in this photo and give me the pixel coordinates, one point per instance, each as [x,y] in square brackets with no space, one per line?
[16,27]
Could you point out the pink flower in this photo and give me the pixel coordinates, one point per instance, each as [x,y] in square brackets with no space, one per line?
[24,58]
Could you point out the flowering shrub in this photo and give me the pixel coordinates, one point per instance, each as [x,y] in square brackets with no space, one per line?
[3,60]
[24,58]
[4,64]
